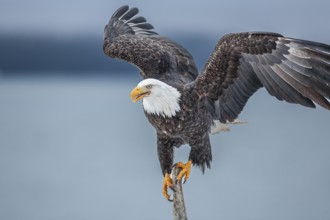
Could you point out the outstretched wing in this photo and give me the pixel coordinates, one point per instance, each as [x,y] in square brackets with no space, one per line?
[130,38]
[293,70]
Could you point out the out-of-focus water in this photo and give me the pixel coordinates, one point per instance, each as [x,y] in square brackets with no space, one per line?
[80,149]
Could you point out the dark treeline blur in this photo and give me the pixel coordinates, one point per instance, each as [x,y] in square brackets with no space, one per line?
[41,55]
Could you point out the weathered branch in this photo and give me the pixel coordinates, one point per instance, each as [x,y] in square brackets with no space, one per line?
[179,208]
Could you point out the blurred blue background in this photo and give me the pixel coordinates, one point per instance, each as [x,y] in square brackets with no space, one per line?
[73,145]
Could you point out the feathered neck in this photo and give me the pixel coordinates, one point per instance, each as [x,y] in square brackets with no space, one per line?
[163,100]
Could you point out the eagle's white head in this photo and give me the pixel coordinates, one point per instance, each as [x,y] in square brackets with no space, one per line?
[158,97]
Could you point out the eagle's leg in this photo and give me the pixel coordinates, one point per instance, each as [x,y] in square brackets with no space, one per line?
[200,153]
[185,170]
[165,152]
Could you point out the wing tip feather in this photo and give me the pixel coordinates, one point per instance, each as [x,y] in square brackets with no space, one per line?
[125,21]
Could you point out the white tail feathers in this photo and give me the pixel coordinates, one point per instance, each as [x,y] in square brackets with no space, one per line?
[218,127]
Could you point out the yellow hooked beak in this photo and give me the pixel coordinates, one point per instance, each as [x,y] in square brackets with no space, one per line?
[138,93]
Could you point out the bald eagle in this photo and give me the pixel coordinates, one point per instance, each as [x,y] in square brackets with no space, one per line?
[183,105]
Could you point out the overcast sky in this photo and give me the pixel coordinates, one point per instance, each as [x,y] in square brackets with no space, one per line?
[296,18]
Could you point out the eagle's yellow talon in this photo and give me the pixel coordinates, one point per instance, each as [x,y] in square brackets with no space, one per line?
[167,184]
[185,170]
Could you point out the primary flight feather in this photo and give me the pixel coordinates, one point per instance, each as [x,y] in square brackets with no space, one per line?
[183,106]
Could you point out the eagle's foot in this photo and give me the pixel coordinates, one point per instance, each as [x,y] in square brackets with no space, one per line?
[167,184]
[185,170]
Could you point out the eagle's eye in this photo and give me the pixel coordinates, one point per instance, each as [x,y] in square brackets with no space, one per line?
[149,86]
